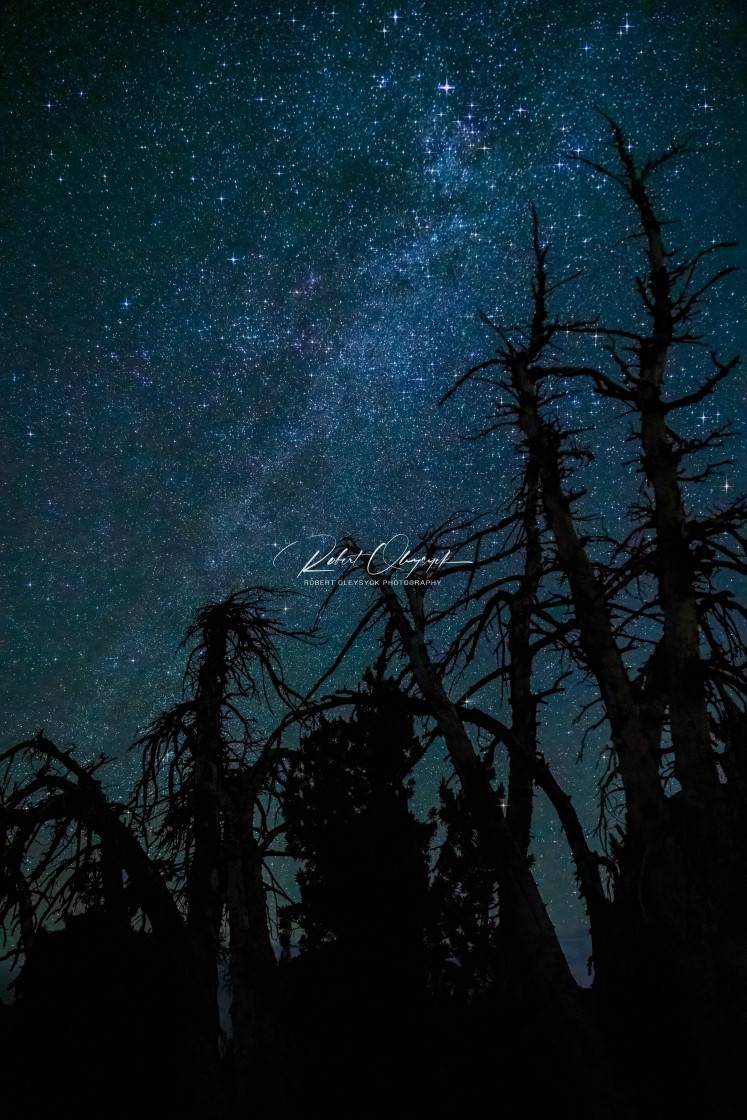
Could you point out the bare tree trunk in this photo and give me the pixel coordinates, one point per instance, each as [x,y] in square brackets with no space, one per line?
[523,701]
[204,876]
[258,1043]
[691,736]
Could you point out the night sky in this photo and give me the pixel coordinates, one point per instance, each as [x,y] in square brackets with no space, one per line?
[244,252]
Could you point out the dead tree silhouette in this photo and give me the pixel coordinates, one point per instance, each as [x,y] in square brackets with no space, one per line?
[672,938]
[185,857]
[651,621]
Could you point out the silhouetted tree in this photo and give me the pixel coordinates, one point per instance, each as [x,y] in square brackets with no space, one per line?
[93,994]
[464,910]
[670,946]
[185,857]
[545,977]
[364,879]
[359,981]
[207,785]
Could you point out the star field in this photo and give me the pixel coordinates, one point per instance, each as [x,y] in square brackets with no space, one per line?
[244,252]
